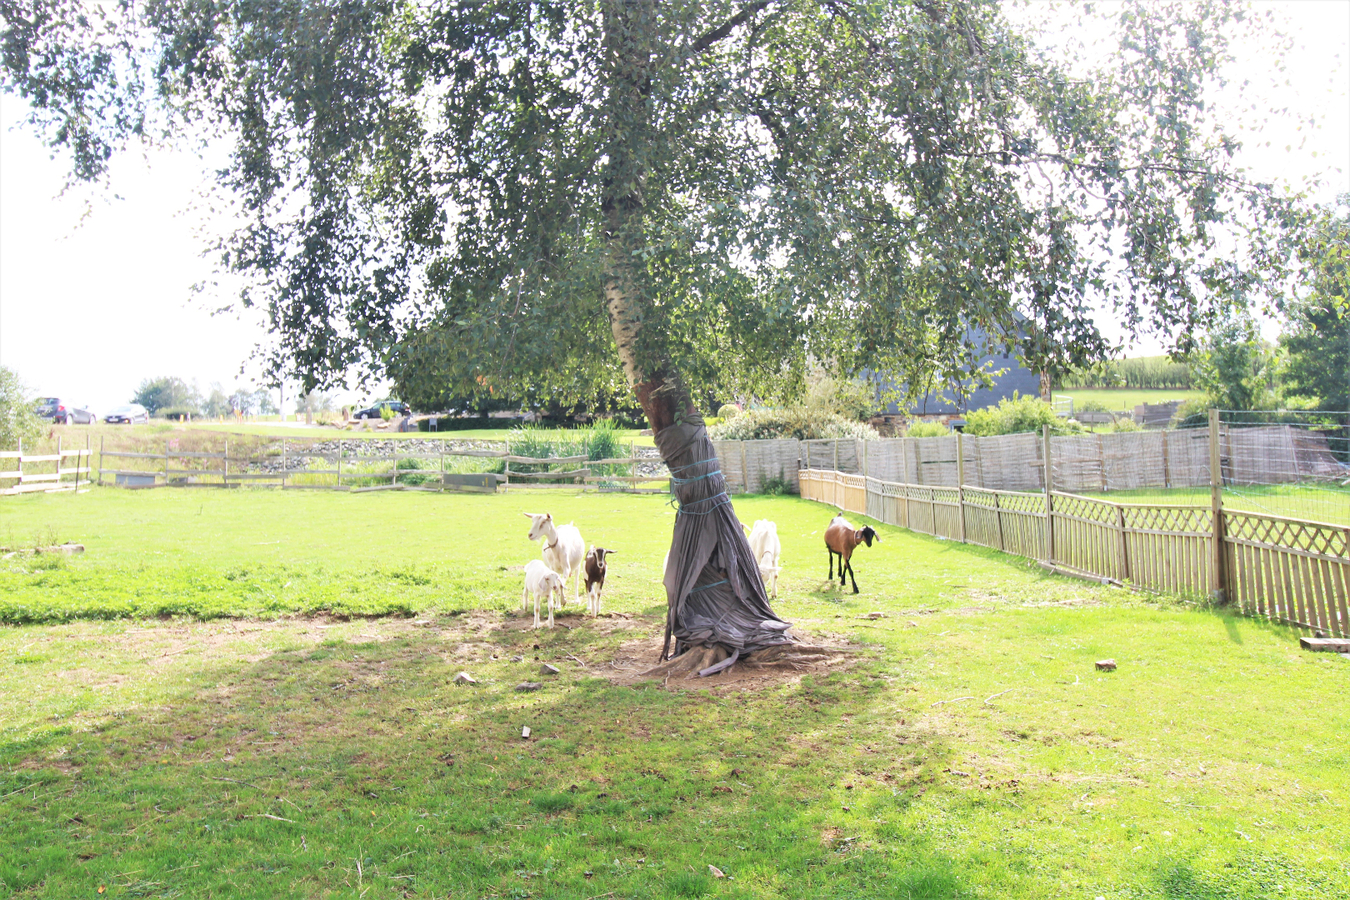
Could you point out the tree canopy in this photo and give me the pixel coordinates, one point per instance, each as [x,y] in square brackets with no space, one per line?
[1317,340]
[526,193]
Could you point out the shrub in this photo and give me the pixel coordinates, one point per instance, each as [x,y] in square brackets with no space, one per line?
[1016,415]
[18,421]
[1126,424]
[728,411]
[927,429]
[176,413]
[386,413]
[1191,414]
[800,422]
[776,486]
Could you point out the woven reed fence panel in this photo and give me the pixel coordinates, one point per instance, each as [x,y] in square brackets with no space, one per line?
[1008,462]
[771,459]
[1133,460]
[884,460]
[1187,458]
[1262,455]
[1078,464]
[729,460]
[1088,463]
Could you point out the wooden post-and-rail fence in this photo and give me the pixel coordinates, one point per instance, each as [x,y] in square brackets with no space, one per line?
[1290,570]
[356,472]
[45,472]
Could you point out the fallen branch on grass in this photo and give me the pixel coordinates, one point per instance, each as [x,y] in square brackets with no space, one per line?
[953,700]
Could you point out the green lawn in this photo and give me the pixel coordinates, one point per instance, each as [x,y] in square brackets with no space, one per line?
[970,750]
[1117,399]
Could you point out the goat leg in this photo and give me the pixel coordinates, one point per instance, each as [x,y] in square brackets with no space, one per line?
[831,553]
[852,576]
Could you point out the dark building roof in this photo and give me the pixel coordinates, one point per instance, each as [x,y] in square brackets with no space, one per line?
[1013,377]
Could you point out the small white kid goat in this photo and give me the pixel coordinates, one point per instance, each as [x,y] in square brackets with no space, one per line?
[766,547]
[563,548]
[540,579]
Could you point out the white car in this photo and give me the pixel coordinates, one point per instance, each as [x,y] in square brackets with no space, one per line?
[131,414]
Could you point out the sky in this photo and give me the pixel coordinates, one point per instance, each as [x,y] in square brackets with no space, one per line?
[96,284]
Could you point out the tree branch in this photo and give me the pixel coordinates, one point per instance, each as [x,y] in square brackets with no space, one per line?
[711,37]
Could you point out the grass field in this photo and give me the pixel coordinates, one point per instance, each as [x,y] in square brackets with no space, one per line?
[241,747]
[1117,399]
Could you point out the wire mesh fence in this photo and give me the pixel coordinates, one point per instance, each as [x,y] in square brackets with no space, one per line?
[1294,464]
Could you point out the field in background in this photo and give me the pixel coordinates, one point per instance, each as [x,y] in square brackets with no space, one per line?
[1117,399]
[971,751]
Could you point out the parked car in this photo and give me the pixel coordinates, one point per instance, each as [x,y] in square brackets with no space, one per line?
[397,407]
[131,414]
[64,413]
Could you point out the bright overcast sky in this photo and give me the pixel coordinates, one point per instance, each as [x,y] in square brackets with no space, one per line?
[96,286]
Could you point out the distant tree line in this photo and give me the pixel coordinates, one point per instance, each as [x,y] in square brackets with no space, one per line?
[172,397]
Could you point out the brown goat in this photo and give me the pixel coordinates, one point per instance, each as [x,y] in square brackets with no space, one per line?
[841,537]
[595,576]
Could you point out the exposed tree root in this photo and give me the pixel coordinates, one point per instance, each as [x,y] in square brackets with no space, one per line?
[698,660]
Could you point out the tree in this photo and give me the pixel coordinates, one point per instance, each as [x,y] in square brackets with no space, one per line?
[167,393]
[1316,341]
[217,403]
[1235,367]
[18,420]
[483,195]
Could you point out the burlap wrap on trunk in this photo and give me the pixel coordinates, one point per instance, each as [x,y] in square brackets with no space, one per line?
[714,593]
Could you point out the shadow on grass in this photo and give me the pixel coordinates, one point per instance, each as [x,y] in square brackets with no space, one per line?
[355,765]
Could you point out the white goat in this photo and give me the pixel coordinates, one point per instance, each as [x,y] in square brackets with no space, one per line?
[540,579]
[563,548]
[766,547]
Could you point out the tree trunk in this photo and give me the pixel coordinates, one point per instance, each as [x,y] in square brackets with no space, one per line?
[715,599]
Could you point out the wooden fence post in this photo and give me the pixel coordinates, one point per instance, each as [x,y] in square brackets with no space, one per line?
[1124,544]
[166,462]
[1167,472]
[283,464]
[998,520]
[1049,480]
[100,460]
[225,470]
[960,486]
[1101,460]
[339,465]
[836,456]
[745,470]
[58,460]
[1218,579]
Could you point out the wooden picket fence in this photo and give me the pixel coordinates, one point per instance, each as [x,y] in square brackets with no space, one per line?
[1289,570]
[25,473]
